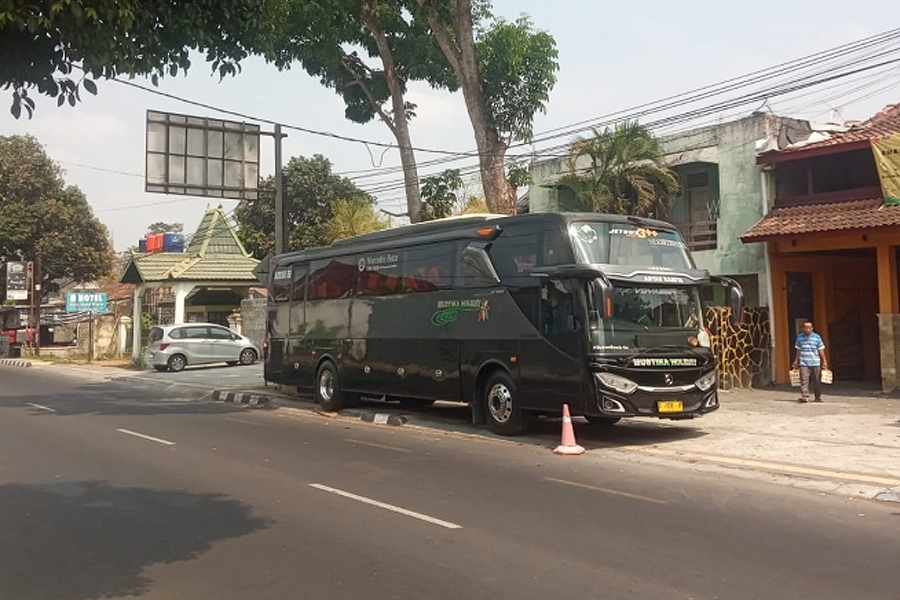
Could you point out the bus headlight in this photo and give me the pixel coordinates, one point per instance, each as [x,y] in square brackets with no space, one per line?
[617,383]
[706,382]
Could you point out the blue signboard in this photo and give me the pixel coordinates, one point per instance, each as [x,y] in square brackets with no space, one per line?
[86,302]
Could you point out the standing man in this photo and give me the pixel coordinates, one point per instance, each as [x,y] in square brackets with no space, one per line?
[811,359]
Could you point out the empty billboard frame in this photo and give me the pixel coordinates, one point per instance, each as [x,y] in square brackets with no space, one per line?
[198,156]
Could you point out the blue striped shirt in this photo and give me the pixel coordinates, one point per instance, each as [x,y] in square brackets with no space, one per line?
[809,346]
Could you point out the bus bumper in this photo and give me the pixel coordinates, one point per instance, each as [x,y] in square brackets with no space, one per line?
[662,405]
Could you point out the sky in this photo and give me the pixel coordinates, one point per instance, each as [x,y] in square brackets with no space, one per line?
[612,55]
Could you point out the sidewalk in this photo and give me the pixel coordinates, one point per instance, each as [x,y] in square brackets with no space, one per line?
[849,444]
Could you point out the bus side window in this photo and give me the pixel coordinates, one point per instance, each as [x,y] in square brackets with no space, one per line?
[428,268]
[515,253]
[298,299]
[558,309]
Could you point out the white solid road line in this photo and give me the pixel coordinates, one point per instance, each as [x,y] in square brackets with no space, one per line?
[374,445]
[146,437]
[390,507]
[47,408]
[605,490]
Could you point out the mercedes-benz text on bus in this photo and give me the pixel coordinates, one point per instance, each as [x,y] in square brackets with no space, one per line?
[513,315]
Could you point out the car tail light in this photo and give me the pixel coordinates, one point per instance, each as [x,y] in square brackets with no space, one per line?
[163,346]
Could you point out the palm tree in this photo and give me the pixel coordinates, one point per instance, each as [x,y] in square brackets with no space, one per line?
[626,176]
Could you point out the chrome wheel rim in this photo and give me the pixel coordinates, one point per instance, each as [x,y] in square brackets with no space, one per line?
[500,403]
[177,363]
[326,385]
[247,357]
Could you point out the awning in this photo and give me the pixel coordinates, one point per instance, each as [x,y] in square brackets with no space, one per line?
[818,218]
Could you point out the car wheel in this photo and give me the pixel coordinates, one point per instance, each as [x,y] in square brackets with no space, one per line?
[177,363]
[248,356]
[602,421]
[415,402]
[328,388]
[502,408]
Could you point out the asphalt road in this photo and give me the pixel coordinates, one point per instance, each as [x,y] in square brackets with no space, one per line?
[113,490]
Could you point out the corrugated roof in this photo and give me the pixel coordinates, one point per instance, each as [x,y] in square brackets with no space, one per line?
[885,122]
[214,254]
[814,218]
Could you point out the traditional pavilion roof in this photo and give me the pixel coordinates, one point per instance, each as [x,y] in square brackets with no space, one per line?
[214,254]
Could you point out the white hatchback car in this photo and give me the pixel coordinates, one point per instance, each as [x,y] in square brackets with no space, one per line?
[173,347]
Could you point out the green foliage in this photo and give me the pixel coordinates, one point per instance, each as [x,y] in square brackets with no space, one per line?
[518,69]
[38,212]
[519,175]
[625,173]
[474,205]
[354,216]
[439,194]
[310,191]
[162,227]
[41,39]
[148,320]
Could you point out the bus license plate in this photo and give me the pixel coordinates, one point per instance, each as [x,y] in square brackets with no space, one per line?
[673,406]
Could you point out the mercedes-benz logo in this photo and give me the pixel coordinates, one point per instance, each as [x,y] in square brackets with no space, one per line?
[669,379]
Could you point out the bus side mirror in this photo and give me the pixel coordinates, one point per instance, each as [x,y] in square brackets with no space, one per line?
[735,298]
[477,265]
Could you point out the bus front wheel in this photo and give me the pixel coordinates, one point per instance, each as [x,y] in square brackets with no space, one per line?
[502,408]
[328,388]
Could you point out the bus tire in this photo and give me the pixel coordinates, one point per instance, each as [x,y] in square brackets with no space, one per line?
[327,388]
[602,421]
[502,408]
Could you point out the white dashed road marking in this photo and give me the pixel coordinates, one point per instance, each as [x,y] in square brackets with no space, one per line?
[390,507]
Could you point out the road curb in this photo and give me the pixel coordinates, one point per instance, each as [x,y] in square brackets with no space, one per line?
[241,398]
[13,362]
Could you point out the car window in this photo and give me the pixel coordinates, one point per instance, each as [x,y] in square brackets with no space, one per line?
[175,334]
[219,333]
[155,335]
[195,333]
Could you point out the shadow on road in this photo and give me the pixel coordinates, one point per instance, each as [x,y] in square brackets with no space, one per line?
[73,541]
[112,398]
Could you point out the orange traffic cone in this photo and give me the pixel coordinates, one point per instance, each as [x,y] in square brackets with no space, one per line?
[567,446]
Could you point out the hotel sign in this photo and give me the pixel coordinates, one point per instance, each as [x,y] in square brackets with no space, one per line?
[887,159]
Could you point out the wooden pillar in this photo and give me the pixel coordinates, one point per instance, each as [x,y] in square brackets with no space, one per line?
[779,315]
[888,303]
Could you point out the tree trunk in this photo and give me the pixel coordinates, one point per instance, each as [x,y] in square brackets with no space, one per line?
[399,125]
[460,52]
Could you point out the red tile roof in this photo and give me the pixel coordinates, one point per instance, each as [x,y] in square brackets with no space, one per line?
[885,122]
[812,218]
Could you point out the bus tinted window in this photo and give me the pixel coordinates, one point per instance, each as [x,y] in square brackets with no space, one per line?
[627,244]
[378,274]
[280,290]
[300,272]
[515,254]
[331,279]
[428,268]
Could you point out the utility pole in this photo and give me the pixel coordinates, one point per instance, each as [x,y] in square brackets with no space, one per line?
[281,237]
[37,301]
[31,296]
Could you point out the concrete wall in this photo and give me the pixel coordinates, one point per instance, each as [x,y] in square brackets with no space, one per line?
[253,324]
[105,332]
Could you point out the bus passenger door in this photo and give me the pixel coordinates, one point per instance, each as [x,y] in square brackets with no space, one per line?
[553,374]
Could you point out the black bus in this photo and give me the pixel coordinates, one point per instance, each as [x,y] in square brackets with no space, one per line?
[514,315]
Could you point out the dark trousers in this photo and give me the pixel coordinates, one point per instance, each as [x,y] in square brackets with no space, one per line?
[811,377]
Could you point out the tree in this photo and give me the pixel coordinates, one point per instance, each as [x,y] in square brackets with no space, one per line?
[42,217]
[440,193]
[506,75]
[354,216]
[42,39]
[310,191]
[162,227]
[332,39]
[625,173]
[474,205]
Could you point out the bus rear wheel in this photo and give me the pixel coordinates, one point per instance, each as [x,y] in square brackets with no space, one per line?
[328,388]
[502,408]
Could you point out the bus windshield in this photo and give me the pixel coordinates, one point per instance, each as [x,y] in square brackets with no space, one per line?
[647,317]
[626,244]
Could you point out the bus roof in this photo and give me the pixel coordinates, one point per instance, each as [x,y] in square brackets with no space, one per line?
[458,227]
